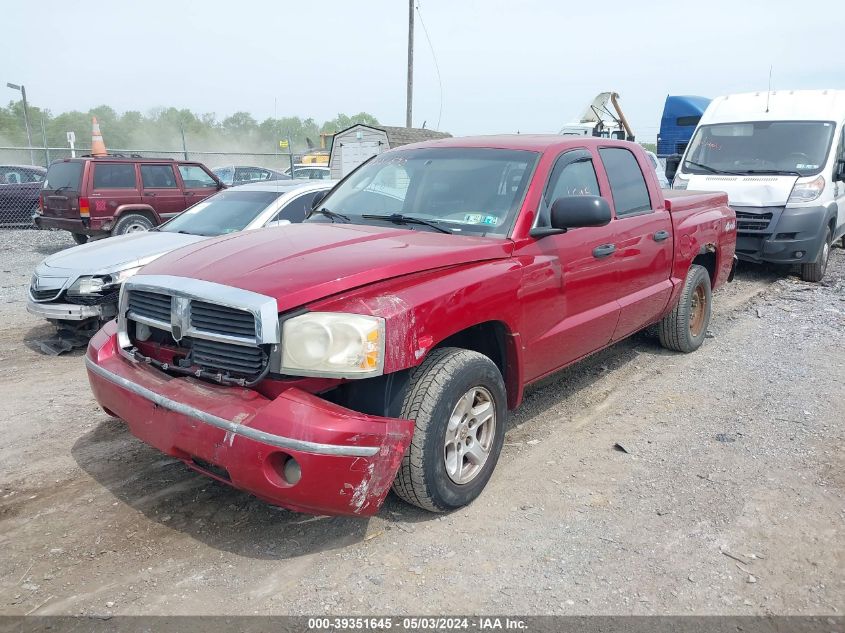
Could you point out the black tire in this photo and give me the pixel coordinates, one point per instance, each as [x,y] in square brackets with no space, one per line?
[130,223]
[79,238]
[435,388]
[815,272]
[684,328]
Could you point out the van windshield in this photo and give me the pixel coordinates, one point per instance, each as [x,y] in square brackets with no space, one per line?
[63,175]
[774,147]
[475,191]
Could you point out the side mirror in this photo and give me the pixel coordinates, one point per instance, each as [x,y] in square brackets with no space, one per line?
[572,212]
[839,174]
[279,223]
[220,185]
[672,164]
[315,203]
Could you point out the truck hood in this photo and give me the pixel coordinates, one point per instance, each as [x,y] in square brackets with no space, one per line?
[746,191]
[116,253]
[301,263]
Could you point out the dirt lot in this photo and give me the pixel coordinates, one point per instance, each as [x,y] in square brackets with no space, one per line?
[731,499]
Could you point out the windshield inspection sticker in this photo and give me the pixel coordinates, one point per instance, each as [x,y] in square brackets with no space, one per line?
[472,218]
[490,219]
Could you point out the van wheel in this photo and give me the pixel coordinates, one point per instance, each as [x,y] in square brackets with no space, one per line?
[684,328]
[457,400]
[132,223]
[79,238]
[816,270]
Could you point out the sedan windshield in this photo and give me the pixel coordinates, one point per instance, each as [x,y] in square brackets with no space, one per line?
[226,212]
[458,190]
[773,147]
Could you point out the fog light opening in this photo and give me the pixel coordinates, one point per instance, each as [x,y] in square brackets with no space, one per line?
[798,254]
[283,469]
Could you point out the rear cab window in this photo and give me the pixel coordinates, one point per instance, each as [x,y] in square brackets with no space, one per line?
[627,183]
[64,175]
[114,176]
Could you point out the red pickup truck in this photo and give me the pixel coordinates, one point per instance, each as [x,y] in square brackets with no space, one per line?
[380,343]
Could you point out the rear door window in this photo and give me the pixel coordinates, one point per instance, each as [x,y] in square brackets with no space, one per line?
[627,184]
[64,175]
[196,177]
[158,177]
[114,176]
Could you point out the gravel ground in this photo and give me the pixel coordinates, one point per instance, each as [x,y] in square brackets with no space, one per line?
[730,498]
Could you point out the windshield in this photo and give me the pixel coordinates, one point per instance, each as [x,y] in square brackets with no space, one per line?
[64,175]
[464,190]
[790,147]
[225,212]
[225,174]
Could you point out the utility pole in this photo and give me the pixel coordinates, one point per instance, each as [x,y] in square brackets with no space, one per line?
[22,90]
[410,98]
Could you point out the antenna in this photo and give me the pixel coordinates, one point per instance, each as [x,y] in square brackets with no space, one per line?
[769,93]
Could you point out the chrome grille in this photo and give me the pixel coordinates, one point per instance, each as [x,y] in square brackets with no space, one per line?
[218,319]
[225,357]
[149,305]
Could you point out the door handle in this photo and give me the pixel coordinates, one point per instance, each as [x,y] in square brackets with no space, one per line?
[604,250]
[189,193]
[660,236]
[149,193]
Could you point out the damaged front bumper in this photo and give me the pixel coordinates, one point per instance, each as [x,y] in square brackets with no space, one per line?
[345,461]
[66,311]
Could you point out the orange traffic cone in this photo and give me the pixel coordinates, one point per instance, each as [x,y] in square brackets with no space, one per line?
[98,147]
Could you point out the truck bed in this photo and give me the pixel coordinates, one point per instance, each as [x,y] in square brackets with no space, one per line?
[686,200]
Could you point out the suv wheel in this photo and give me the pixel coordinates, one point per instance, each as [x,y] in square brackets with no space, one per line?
[79,238]
[132,223]
[816,270]
[457,400]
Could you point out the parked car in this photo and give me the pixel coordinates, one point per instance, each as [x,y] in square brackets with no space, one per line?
[113,196]
[312,172]
[659,170]
[780,156]
[299,366]
[77,289]
[19,189]
[238,175]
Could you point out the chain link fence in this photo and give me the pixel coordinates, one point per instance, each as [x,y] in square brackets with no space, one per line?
[21,180]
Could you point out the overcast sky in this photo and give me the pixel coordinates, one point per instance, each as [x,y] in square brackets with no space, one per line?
[506,65]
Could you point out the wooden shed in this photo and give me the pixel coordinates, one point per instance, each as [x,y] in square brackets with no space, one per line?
[357,143]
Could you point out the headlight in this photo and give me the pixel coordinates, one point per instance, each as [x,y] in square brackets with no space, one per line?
[680,183]
[97,283]
[806,189]
[333,344]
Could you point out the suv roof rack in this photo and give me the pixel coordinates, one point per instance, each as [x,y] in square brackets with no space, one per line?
[169,160]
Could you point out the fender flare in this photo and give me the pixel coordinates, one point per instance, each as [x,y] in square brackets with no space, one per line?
[146,209]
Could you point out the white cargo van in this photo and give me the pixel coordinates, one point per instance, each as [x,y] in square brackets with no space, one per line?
[780,156]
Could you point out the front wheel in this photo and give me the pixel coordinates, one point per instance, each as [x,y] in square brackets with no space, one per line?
[815,271]
[684,328]
[457,400]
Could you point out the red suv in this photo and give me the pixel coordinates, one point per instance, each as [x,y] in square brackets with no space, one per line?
[113,196]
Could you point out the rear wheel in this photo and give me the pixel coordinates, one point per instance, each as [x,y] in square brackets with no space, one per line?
[684,328]
[79,238]
[132,223]
[457,400]
[816,270]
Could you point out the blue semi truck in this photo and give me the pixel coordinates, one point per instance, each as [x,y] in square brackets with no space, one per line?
[681,114]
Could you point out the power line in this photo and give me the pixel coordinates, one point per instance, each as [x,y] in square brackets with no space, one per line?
[436,65]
